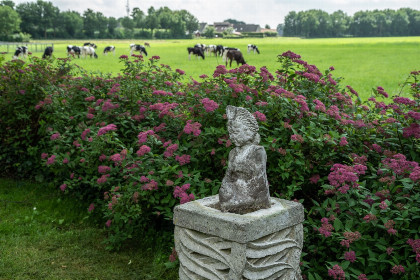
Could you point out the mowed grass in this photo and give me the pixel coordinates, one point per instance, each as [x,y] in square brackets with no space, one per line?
[364,63]
[44,235]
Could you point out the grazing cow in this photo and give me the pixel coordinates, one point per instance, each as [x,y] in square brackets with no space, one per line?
[201,46]
[74,50]
[219,50]
[211,49]
[47,52]
[226,49]
[109,49]
[234,55]
[88,51]
[137,48]
[21,52]
[195,51]
[90,44]
[146,44]
[253,48]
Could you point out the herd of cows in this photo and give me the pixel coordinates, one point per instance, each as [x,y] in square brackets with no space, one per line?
[199,50]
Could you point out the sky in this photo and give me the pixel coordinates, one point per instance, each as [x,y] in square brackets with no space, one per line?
[262,12]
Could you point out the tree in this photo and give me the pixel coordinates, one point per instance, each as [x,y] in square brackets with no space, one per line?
[70,24]
[89,23]
[138,17]
[209,32]
[127,23]
[291,23]
[152,21]
[9,21]
[112,25]
[191,22]
[339,23]
[234,21]
[267,26]
[37,17]
[9,3]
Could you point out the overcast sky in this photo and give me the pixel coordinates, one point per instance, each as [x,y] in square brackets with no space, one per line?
[262,12]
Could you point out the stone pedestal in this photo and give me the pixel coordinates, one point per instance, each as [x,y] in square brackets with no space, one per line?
[265,244]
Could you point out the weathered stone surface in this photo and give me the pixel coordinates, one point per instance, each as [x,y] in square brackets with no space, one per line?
[245,187]
[215,245]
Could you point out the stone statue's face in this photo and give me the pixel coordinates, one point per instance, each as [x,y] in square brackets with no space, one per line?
[240,134]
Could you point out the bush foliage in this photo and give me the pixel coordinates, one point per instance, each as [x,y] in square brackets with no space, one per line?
[136,145]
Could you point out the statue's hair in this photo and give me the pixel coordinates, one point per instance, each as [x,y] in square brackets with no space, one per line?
[244,116]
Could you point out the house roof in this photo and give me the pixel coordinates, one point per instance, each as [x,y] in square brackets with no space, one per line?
[247,27]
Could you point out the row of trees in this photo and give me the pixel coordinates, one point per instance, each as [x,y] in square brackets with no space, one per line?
[378,23]
[41,19]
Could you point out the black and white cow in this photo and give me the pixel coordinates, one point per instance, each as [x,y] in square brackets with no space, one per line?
[219,50]
[47,52]
[201,46]
[253,48]
[137,48]
[109,49]
[90,44]
[21,52]
[234,55]
[88,51]
[211,49]
[197,51]
[73,50]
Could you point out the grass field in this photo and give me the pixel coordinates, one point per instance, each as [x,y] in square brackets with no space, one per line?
[364,63]
[44,235]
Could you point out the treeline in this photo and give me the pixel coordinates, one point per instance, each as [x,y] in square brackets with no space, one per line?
[376,23]
[41,19]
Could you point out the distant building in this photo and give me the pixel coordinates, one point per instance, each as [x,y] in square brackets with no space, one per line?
[201,27]
[246,28]
[221,26]
[268,30]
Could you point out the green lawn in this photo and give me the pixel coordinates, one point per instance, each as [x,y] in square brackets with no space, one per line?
[364,63]
[46,236]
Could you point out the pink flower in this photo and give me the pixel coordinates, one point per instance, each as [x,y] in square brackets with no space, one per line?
[84,133]
[350,256]
[51,160]
[65,160]
[108,223]
[142,137]
[297,138]
[389,250]
[105,129]
[102,179]
[102,157]
[260,116]
[337,272]
[90,116]
[91,207]
[184,159]
[383,205]
[103,169]
[209,105]
[343,141]
[179,71]
[63,187]
[143,150]
[170,150]
[362,277]
[116,158]
[192,128]
[314,179]
[44,155]
[55,136]
[397,269]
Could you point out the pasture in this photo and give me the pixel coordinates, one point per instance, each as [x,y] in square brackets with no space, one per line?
[364,63]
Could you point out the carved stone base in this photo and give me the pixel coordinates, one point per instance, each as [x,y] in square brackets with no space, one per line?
[265,244]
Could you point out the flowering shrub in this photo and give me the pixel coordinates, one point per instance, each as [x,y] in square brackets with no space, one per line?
[136,145]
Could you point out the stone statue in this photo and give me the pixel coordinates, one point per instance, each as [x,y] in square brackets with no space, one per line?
[244,188]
